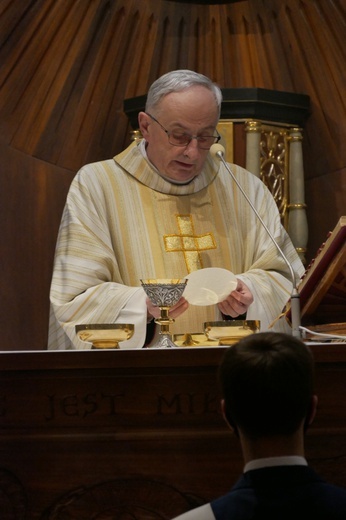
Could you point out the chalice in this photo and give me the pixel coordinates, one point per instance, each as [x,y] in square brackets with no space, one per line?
[105,335]
[164,293]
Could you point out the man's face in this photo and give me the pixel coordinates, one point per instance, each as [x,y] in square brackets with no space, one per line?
[192,111]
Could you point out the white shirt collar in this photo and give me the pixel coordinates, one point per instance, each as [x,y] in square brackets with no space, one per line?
[143,149]
[291,460]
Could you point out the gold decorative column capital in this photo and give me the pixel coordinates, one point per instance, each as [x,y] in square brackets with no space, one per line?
[295,134]
[136,135]
[253,126]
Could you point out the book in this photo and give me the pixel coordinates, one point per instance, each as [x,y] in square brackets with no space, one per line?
[322,288]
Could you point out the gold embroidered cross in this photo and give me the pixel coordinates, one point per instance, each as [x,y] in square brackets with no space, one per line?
[189,243]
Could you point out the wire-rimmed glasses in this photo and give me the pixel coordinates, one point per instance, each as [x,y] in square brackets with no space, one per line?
[175,138]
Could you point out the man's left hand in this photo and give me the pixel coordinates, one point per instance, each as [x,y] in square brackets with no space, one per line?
[238,301]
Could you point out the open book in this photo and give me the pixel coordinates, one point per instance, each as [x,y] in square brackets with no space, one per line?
[323,287]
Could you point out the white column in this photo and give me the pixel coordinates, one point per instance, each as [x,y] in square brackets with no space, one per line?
[253,153]
[297,220]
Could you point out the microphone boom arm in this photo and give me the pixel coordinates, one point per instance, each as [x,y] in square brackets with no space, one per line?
[217,150]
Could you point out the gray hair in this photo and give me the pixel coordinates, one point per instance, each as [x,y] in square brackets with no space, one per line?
[178,80]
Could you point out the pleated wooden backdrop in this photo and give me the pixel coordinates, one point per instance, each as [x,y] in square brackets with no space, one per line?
[67,65]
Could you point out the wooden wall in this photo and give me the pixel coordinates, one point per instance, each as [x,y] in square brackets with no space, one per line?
[66,67]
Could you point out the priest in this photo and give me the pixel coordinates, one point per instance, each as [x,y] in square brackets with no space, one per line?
[164,208]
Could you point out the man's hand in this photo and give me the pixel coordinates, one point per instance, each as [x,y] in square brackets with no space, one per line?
[237,302]
[174,311]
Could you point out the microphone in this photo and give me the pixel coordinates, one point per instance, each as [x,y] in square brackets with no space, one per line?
[217,150]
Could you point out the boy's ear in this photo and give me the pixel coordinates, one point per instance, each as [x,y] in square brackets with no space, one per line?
[310,416]
[228,418]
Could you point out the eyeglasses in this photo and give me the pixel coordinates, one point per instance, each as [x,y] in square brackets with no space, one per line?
[204,142]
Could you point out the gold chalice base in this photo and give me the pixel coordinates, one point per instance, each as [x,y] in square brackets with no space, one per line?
[230,332]
[105,335]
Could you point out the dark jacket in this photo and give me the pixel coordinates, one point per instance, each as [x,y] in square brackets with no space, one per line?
[281,493]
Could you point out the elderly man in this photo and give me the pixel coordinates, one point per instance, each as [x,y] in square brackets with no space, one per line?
[164,208]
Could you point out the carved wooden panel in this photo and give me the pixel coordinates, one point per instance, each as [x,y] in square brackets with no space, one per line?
[67,66]
[134,434]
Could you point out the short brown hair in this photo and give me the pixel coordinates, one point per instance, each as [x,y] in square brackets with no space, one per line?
[267,381]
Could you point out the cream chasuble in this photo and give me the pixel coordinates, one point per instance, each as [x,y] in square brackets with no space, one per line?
[123,222]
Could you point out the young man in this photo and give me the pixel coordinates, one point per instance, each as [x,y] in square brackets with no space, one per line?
[162,209]
[267,382]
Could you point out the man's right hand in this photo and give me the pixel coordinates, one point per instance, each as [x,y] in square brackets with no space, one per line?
[174,311]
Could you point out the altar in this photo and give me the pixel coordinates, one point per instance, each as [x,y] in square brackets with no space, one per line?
[135,434]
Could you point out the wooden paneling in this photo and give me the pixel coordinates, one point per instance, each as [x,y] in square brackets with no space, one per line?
[136,434]
[32,195]
[67,66]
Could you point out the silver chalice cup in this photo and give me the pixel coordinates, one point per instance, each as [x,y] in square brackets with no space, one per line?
[164,293]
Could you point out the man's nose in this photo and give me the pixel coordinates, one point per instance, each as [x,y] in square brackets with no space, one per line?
[192,150]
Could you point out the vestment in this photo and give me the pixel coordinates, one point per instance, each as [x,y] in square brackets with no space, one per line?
[123,222]
[272,493]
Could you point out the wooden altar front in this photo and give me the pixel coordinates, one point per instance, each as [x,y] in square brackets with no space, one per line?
[134,433]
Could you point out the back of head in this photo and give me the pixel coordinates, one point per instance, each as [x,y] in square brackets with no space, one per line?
[267,381]
[176,81]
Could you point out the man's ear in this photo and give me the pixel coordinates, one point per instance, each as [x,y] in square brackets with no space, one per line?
[227,417]
[310,416]
[313,409]
[143,123]
[223,410]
